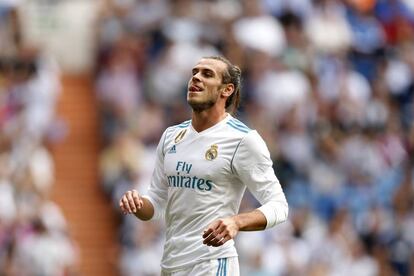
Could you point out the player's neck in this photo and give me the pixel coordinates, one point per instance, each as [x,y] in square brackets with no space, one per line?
[207,118]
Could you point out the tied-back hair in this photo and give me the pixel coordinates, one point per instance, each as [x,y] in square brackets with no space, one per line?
[231,75]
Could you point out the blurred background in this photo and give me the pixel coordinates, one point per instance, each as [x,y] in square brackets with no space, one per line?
[87,88]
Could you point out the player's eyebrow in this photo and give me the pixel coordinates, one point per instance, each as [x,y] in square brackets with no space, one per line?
[204,70]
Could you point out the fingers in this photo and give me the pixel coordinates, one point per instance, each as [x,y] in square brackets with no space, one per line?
[217,234]
[215,238]
[124,207]
[130,202]
[213,226]
[223,241]
[124,204]
[137,199]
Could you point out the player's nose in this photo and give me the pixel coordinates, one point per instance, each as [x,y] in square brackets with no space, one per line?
[196,78]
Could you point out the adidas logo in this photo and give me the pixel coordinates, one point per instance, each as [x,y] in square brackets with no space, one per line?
[172,150]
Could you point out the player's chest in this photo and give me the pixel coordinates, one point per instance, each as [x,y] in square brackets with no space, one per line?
[202,156]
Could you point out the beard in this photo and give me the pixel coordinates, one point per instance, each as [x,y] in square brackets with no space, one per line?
[206,102]
[201,106]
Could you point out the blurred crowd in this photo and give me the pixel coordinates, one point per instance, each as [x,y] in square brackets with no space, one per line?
[328,84]
[34,237]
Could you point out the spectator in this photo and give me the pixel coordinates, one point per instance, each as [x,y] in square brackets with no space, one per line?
[329,86]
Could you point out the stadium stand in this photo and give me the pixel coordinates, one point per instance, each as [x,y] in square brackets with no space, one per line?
[35,238]
[329,85]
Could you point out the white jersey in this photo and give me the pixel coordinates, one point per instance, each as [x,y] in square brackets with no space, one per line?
[200,177]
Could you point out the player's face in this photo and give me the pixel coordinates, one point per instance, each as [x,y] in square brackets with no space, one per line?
[205,86]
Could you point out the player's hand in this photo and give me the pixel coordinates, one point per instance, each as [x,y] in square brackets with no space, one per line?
[220,231]
[130,202]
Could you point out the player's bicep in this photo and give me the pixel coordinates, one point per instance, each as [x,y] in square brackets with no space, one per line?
[252,163]
[261,181]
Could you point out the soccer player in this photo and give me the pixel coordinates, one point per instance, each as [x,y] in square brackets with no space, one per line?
[202,169]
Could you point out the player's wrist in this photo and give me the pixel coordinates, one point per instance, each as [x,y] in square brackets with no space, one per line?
[237,222]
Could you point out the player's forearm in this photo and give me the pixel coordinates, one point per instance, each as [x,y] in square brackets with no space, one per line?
[266,216]
[251,221]
[222,230]
[146,212]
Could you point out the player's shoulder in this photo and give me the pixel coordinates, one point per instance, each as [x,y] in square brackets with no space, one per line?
[249,137]
[237,127]
[171,130]
[181,125]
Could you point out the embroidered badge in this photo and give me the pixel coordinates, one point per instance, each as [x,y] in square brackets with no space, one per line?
[180,136]
[212,152]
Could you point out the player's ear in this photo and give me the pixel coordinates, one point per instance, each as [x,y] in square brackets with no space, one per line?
[228,90]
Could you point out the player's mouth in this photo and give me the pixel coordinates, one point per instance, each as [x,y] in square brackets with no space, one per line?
[194,88]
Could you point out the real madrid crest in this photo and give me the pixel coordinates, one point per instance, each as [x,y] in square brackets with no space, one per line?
[212,152]
[180,136]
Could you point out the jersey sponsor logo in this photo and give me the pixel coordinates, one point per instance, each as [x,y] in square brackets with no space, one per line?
[212,152]
[188,181]
[180,136]
[173,150]
[192,182]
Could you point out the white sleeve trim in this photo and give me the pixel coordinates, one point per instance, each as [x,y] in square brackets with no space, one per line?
[275,212]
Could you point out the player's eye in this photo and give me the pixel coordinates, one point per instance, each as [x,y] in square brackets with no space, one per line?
[208,74]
